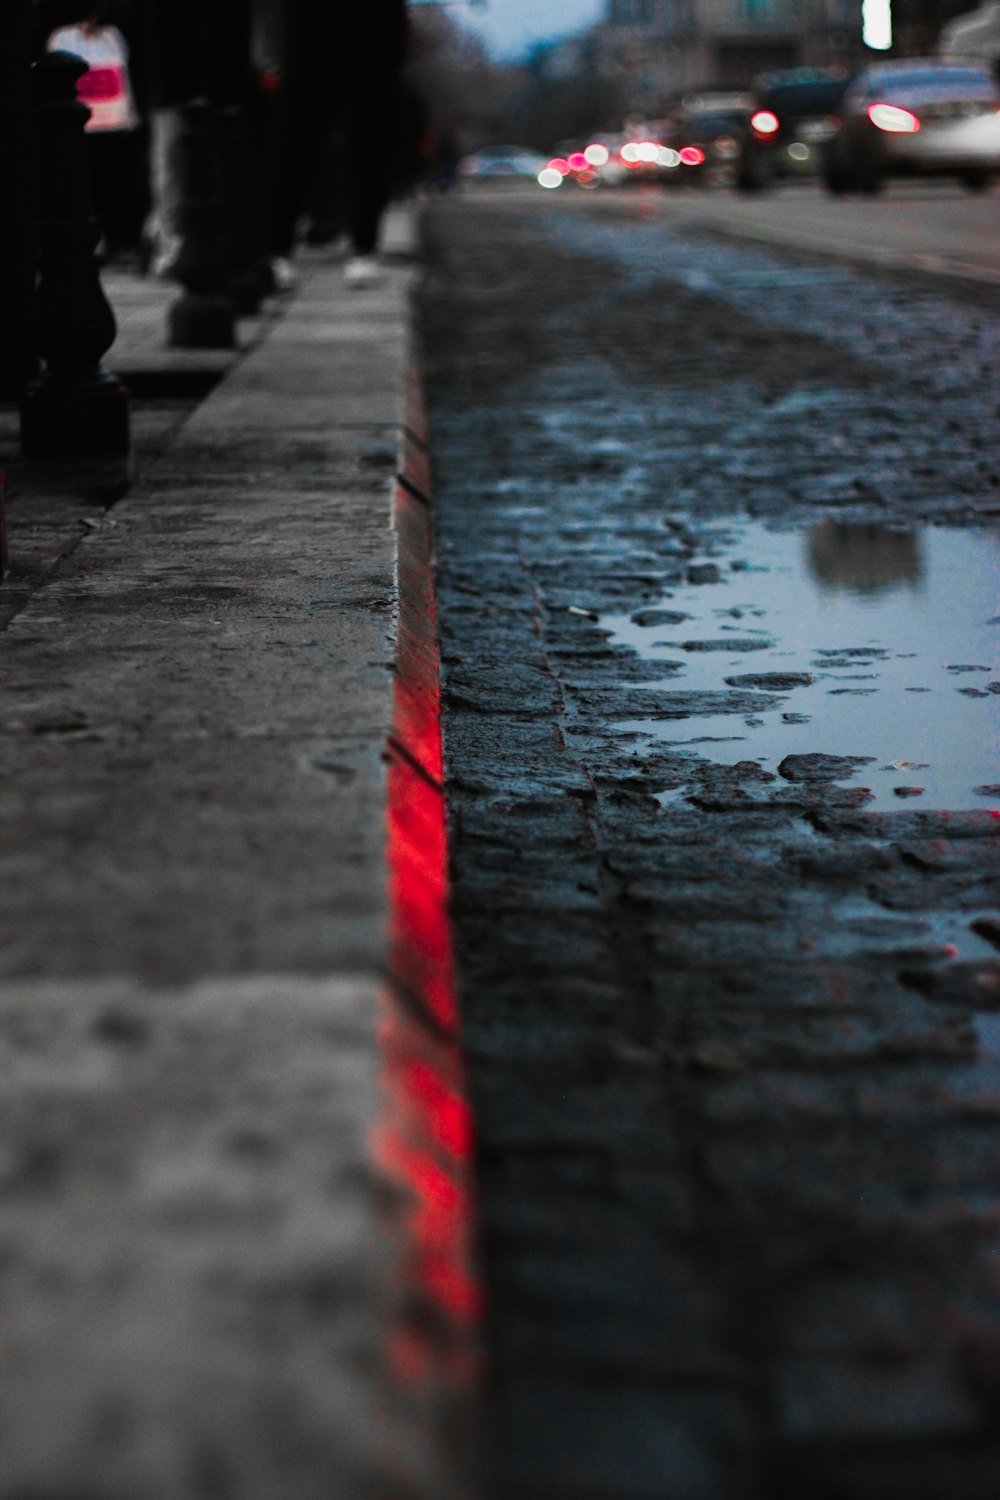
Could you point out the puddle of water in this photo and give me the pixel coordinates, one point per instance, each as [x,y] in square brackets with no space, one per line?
[897,631]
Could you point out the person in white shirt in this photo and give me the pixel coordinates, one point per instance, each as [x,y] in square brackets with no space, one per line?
[112,132]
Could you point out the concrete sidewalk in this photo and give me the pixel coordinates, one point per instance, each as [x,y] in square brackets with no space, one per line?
[214,1214]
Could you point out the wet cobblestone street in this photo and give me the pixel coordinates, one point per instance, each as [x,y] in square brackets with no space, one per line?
[717,537]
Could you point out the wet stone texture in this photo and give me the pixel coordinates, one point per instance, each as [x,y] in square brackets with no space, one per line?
[732,1003]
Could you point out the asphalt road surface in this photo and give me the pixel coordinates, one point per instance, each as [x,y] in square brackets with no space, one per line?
[717,529]
[920,225]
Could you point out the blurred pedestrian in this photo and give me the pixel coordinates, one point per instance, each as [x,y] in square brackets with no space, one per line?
[114,142]
[340,67]
[197,49]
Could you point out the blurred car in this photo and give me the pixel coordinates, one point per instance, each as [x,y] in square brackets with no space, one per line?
[501,161]
[609,159]
[588,163]
[609,168]
[917,117]
[647,152]
[794,115]
[709,144]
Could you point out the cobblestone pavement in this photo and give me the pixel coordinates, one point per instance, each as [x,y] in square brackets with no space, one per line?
[732,1016]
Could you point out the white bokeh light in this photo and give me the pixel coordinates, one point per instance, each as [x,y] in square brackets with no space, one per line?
[876,24]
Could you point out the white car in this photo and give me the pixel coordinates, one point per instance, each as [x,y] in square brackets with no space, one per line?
[918,117]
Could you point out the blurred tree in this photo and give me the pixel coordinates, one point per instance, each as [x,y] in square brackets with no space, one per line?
[462,90]
[567,94]
[560,92]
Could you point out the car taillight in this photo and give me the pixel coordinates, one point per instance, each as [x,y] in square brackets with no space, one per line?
[692,156]
[764,124]
[893,118]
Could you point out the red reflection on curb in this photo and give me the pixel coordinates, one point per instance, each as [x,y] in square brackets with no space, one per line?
[421,954]
[423,1142]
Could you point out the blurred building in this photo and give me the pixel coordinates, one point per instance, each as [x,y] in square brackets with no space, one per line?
[662,48]
[921,26]
[658,49]
[975,34]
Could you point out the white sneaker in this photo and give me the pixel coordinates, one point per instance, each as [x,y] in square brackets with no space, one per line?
[163,250]
[362,270]
[283,274]
[163,262]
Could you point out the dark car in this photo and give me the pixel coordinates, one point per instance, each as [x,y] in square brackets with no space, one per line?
[918,117]
[795,115]
[709,143]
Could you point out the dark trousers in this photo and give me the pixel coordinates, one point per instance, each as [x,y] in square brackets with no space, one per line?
[362,109]
[119,182]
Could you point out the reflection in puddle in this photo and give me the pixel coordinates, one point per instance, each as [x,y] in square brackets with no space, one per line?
[863,559]
[870,641]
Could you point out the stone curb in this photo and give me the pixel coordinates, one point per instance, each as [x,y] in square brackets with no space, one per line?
[237,1142]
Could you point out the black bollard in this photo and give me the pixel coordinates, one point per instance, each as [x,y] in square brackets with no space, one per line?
[204,317]
[74,409]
